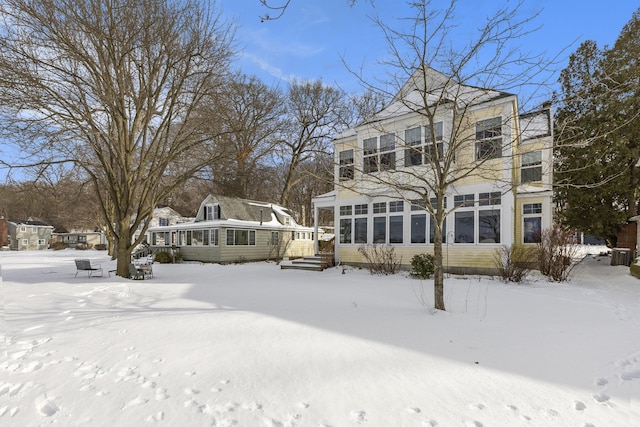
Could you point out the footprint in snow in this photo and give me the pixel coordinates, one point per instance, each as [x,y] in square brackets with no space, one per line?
[191,391]
[430,423]
[358,416]
[601,397]
[190,373]
[158,416]
[580,406]
[473,423]
[477,406]
[602,382]
[161,393]
[303,405]
[413,410]
[135,402]
[33,366]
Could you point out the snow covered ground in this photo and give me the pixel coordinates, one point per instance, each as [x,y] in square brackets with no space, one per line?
[253,345]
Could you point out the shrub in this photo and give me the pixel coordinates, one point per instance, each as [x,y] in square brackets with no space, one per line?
[557,253]
[164,258]
[514,262]
[82,246]
[100,247]
[381,259]
[56,246]
[422,266]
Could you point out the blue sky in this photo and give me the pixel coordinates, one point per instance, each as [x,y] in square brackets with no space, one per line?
[308,40]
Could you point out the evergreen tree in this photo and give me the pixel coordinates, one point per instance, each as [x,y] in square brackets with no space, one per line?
[597,135]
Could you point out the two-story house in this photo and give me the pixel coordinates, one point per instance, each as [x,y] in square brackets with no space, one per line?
[29,235]
[491,164]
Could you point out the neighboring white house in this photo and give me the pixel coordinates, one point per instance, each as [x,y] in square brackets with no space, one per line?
[161,217]
[510,204]
[29,235]
[228,229]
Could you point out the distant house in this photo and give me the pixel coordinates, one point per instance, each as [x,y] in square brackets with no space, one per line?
[161,217]
[29,235]
[230,229]
[80,237]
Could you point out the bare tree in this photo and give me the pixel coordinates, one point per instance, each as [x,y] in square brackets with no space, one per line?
[470,72]
[315,113]
[251,114]
[114,87]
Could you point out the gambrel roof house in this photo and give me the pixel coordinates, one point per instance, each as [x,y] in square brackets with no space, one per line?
[29,235]
[381,165]
[228,229]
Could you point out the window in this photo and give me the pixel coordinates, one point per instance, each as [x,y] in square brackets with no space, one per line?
[163,222]
[241,237]
[23,229]
[380,207]
[360,230]
[489,226]
[197,238]
[532,208]
[370,155]
[418,205]
[381,158]
[212,212]
[380,229]
[214,236]
[531,169]
[419,228]
[490,199]
[430,150]
[346,165]
[82,239]
[413,152]
[396,206]
[345,231]
[531,222]
[532,227]
[395,229]
[464,226]
[160,238]
[25,242]
[345,210]
[489,139]
[464,200]
[361,209]
[275,237]
[205,237]
[41,242]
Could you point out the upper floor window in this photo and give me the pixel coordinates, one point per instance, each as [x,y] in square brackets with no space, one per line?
[489,138]
[346,165]
[413,142]
[431,146]
[212,212]
[379,157]
[23,229]
[163,222]
[531,169]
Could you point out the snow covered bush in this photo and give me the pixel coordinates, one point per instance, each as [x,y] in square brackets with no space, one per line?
[558,253]
[422,266]
[513,262]
[381,259]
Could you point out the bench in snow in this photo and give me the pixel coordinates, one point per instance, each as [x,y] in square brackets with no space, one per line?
[85,265]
